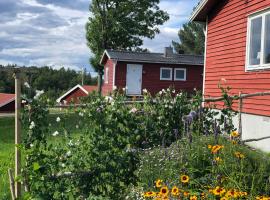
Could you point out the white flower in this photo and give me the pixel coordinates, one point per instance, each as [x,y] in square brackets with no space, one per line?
[38,94]
[160,93]
[77,126]
[55,133]
[114,87]
[31,145]
[68,153]
[133,110]
[145,90]
[81,114]
[23,101]
[173,91]
[63,165]
[164,91]
[108,98]
[58,119]
[124,89]
[70,143]
[32,125]
[26,85]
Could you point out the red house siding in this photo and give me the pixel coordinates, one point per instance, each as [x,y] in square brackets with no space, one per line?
[74,97]
[108,87]
[226,54]
[151,77]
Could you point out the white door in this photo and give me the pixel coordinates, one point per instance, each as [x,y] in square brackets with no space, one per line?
[134,79]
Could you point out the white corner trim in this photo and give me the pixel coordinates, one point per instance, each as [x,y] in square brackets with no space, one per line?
[198,10]
[71,90]
[102,57]
[205,54]
[166,79]
[114,72]
[185,74]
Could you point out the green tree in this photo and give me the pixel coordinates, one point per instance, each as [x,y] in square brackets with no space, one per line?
[121,25]
[191,39]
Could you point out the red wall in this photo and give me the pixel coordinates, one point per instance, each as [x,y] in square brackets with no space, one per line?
[74,96]
[151,77]
[226,54]
[108,87]
[10,107]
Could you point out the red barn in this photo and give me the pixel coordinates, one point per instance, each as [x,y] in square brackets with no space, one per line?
[7,103]
[75,93]
[238,51]
[136,71]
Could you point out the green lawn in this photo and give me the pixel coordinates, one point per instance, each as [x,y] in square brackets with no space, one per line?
[7,145]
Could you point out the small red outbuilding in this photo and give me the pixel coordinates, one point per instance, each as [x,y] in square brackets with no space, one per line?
[7,103]
[75,93]
[136,71]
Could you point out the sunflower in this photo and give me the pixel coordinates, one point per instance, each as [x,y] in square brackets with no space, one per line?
[186,193]
[239,155]
[219,191]
[149,194]
[193,197]
[184,179]
[175,191]
[235,134]
[159,183]
[164,191]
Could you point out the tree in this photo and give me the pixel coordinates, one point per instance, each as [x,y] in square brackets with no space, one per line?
[121,25]
[191,39]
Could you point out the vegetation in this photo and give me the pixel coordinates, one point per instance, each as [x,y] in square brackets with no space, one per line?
[167,147]
[192,39]
[121,25]
[53,82]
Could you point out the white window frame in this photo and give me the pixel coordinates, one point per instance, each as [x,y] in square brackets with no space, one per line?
[107,75]
[166,79]
[261,66]
[185,74]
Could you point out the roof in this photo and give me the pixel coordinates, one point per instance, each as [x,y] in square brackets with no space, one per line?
[6,98]
[201,11]
[85,88]
[146,57]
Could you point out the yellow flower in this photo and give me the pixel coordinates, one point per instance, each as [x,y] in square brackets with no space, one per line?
[184,179]
[218,159]
[215,149]
[203,195]
[175,191]
[232,193]
[186,193]
[193,197]
[209,146]
[149,194]
[224,198]
[158,183]
[219,191]
[164,191]
[235,134]
[239,155]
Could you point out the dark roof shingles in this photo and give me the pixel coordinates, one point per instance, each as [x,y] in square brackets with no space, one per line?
[156,57]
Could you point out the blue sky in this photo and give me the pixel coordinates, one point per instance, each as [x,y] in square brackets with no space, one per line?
[51,32]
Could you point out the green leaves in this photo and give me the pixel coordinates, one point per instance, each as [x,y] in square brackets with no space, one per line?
[36,166]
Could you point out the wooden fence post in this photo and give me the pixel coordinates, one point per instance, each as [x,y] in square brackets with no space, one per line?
[17,133]
[240,106]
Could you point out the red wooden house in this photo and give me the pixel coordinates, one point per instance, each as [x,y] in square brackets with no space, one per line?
[7,103]
[238,51]
[136,71]
[74,94]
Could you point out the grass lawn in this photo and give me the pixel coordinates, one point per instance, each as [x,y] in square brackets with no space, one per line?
[7,146]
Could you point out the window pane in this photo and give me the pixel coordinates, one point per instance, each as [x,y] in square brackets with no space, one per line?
[255,41]
[179,74]
[267,40]
[166,73]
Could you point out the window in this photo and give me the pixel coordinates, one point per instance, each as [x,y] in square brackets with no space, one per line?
[258,44]
[180,74]
[165,73]
[106,75]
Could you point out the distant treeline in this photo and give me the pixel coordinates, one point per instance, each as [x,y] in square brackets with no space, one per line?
[53,82]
